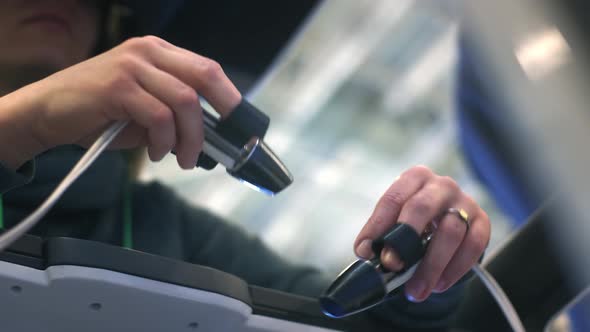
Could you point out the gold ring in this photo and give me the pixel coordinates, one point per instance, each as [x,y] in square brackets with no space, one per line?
[462,215]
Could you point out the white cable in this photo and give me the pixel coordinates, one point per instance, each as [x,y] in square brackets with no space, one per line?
[500,297]
[87,159]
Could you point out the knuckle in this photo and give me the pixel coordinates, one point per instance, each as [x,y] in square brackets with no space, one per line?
[448,183]
[484,216]
[212,70]
[377,219]
[135,43]
[162,116]
[141,44]
[126,64]
[421,205]
[478,240]
[419,171]
[122,83]
[471,202]
[152,41]
[394,198]
[187,98]
[479,212]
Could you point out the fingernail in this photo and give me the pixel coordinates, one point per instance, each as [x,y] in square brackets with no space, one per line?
[364,250]
[415,294]
[182,163]
[441,286]
[391,260]
[411,298]
[156,155]
[186,162]
[388,257]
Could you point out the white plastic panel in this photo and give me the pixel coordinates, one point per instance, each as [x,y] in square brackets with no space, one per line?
[73,298]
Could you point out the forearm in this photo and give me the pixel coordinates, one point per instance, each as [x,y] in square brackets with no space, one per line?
[18,143]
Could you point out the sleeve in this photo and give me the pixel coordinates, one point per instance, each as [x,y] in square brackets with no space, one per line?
[10,179]
[227,247]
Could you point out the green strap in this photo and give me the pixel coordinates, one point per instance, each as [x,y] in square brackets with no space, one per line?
[1,213]
[127,219]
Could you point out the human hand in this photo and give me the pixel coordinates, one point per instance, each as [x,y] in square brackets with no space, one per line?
[148,81]
[418,198]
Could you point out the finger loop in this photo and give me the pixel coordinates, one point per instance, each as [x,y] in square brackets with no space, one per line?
[404,240]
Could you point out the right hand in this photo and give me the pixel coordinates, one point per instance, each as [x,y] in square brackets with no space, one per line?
[148,81]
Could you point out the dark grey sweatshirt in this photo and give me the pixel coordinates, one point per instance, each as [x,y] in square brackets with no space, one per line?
[164,224]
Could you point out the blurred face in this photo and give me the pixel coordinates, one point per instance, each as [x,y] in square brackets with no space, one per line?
[52,34]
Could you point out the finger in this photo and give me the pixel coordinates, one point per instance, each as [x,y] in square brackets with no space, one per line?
[202,74]
[188,116]
[427,205]
[423,207]
[467,254]
[447,237]
[190,139]
[214,68]
[132,136]
[387,209]
[155,116]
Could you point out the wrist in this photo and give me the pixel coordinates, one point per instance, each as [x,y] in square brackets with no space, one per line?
[18,141]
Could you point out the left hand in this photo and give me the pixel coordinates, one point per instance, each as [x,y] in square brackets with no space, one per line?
[417,198]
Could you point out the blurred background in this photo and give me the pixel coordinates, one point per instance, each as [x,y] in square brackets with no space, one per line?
[364,91]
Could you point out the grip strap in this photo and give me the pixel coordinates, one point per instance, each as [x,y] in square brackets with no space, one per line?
[404,240]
